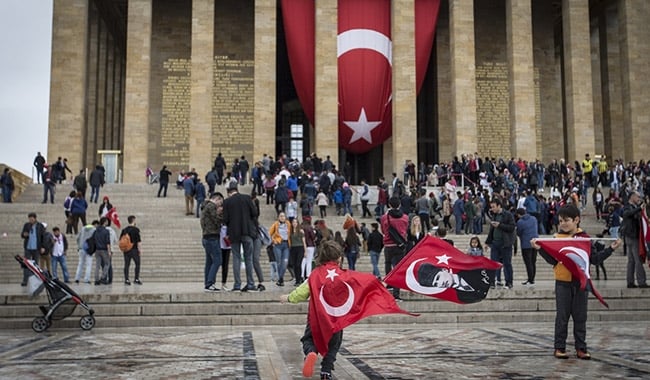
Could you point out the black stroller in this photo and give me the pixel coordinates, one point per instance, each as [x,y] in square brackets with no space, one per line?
[62,300]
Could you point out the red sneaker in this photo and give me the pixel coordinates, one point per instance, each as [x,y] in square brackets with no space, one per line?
[308,366]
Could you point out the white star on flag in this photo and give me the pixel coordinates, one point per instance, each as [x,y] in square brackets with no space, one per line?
[443,259]
[331,273]
[362,127]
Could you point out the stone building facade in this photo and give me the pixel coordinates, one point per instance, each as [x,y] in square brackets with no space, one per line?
[175,82]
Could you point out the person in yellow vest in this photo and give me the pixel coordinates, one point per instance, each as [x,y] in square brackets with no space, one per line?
[603,168]
[569,299]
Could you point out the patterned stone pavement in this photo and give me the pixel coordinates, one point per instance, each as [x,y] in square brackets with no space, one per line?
[445,351]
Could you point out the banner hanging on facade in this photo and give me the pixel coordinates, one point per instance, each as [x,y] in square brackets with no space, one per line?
[364,52]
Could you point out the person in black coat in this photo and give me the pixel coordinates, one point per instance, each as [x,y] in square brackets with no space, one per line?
[239,214]
[500,239]
[33,234]
[163,180]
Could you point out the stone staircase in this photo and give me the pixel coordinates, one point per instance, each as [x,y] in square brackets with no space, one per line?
[172,270]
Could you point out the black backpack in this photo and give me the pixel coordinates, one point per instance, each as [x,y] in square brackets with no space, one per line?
[90,246]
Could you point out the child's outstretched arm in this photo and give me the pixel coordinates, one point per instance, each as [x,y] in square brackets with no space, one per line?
[299,294]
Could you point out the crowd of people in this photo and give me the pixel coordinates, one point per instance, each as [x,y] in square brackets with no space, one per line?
[513,201]
[95,241]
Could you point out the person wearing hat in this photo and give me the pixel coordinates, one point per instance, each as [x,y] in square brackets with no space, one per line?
[630,230]
[239,214]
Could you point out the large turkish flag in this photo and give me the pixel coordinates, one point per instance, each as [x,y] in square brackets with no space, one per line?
[364,51]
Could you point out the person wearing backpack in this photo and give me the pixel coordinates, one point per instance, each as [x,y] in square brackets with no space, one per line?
[85,258]
[130,246]
[102,251]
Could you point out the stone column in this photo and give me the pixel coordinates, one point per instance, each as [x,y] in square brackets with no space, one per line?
[463,76]
[404,144]
[612,97]
[265,84]
[202,75]
[579,106]
[136,109]
[66,130]
[445,131]
[635,50]
[327,82]
[519,31]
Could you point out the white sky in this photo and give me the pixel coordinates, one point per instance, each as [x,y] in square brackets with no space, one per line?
[25,46]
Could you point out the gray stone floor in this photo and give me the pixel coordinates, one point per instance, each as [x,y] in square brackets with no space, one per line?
[446,351]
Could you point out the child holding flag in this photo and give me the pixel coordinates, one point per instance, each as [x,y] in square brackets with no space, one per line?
[571,285]
[337,299]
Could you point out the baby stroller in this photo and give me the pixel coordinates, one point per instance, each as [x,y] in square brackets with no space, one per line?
[62,300]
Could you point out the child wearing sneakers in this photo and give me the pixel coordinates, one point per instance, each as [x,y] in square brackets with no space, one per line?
[569,299]
[329,251]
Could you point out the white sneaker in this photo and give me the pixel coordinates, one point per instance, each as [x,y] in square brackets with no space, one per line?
[225,288]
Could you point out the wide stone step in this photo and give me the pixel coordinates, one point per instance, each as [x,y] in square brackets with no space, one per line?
[138,307]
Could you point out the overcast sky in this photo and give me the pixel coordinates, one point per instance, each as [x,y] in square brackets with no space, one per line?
[25,46]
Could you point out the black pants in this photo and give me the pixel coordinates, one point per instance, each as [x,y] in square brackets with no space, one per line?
[296,254]
[530,258]
[392,256]
[327,364]
[366,210]
[570,301]
[225,259]
[135,256]
[163,188]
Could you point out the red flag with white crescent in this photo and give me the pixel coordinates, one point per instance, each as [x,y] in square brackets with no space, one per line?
[113,217]
[644,235]
[339,298]
[575,255]
[364,51]
[437,269]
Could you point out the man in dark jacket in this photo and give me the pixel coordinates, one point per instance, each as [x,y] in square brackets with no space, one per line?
[375,245]
[630,233]
[102,252]
[398,222]
[32,234]
[500,240]
[239,214]
[96,181]
[80,183]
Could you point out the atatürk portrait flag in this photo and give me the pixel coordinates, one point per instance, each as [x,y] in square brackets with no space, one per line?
[435,268]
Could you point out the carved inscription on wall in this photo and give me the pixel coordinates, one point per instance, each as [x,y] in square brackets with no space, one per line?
[233,102]
[175,122]
[492,106]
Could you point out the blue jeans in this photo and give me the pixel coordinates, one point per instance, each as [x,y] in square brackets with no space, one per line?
[347,208]
[352,259]
[374,259]
[243,248]
[504,256]
[281,252]
[94,193]
[212,249]
[64,267]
